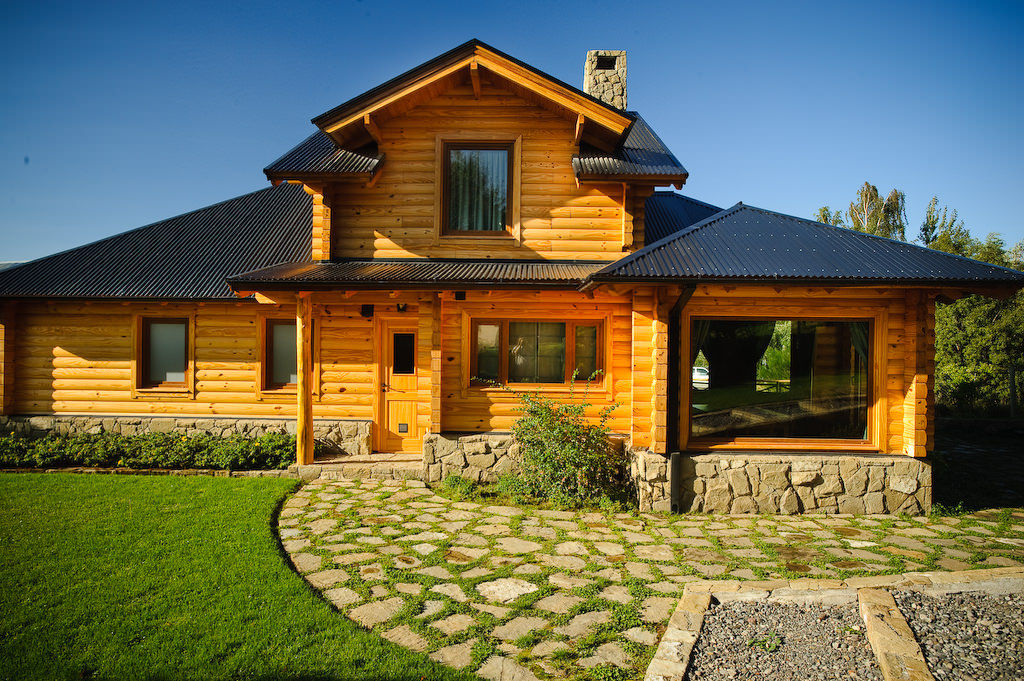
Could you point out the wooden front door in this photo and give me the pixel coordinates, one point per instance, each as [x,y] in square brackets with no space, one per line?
[398,398]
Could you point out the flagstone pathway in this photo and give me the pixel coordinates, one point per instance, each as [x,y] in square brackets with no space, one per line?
[520,593]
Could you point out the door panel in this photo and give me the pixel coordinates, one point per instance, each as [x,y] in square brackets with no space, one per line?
[398,388]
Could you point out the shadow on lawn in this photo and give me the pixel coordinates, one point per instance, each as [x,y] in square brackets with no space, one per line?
[978,463]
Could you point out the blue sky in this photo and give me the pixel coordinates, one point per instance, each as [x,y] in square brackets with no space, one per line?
[117,115]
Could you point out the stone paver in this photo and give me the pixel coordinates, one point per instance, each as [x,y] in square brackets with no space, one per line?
[504,577]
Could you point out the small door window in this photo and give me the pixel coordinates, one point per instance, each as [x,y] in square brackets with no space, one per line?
[403,353]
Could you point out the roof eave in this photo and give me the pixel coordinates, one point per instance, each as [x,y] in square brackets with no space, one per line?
[658,179]
[596,280]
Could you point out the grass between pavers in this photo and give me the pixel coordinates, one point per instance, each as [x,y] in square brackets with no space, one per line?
[168,578]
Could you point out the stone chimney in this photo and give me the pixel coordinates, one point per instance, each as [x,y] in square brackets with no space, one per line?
[604,76]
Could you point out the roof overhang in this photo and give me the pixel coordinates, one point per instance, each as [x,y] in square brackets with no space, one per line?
[357,121]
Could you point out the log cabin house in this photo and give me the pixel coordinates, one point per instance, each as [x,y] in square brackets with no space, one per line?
[477,221]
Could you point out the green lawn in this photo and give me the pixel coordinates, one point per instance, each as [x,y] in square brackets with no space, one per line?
[167,578]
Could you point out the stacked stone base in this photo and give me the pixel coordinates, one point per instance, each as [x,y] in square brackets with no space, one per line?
[782,483]
[338,435]
[479,457]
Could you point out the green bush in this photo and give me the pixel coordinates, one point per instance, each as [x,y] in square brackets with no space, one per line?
[565,457]
[154,450]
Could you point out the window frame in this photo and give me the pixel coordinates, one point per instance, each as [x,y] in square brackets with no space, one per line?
[513,227]
[141,385]
[267,356]
[570,353]
[877,410]
[288,392]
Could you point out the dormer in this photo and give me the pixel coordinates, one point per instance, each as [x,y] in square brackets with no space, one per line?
[476,154]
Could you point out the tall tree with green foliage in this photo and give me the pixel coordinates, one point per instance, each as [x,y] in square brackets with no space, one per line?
[872,214]
[978,339]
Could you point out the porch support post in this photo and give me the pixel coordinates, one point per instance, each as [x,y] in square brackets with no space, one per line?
[304,386]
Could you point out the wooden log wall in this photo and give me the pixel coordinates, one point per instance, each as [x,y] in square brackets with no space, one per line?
[466,408]
[8,332]
[907,344]
[76,358]
[395,217]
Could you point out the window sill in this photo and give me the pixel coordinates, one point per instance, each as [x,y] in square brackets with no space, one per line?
[550,388]
[784,444]
[278,393]
[179,391]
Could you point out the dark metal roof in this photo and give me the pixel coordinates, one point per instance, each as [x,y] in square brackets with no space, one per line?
[411,273]
[641,153]
[751,244]
[319,154]
[666,213]
[186,257]
[451,56]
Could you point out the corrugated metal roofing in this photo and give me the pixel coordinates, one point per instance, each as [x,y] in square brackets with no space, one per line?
[416,273]
[184,257]
[641,153]
[319,154]
[666,213]
[745,243]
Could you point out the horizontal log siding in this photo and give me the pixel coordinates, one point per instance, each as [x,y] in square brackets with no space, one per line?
[395,217]
[76,359]
[475,409]
[908,422]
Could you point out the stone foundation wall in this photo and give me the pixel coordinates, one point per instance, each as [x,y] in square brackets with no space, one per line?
[782,483]
[480,457]
[343,436]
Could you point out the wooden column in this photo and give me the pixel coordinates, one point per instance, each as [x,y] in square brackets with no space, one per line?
[321,227]
[642,361]
[304,387]
[435,365]
[659,370]
[917,375]
[7,333]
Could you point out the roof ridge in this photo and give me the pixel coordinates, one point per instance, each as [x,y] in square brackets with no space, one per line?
[41,259]
[897,242]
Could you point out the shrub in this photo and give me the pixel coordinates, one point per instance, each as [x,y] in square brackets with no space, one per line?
[565,457]
[153,450]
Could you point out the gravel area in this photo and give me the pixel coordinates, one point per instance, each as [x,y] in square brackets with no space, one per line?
[811,643]
[968,637]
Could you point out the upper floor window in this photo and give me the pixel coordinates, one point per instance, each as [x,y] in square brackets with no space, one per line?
[477,187]
[164,352]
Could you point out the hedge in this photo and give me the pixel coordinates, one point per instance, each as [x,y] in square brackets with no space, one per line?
[155,450]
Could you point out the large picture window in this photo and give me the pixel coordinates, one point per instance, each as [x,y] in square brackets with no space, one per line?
[780,378]
[163,352]
[477,191]
[533,351]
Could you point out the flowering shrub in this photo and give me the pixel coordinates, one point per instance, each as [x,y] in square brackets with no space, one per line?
[154,450]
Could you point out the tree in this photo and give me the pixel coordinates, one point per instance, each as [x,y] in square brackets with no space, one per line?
[936,223]
[830,216]
[872,214]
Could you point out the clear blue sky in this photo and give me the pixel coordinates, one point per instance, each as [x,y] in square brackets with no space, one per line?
[117,115]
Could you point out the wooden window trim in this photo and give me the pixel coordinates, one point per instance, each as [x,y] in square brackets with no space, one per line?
[570,354]
[286,393]
[513,230]
[877,316]
[140,386]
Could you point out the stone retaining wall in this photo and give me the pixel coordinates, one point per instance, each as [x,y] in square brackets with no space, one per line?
[480,457]
[782,483]
[340,435]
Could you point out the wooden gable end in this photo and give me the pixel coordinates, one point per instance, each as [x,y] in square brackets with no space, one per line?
[397,214]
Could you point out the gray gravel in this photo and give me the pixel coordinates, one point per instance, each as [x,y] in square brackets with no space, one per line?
[814,643]
[968,637]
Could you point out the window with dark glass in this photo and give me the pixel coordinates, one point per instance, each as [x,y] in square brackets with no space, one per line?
[164,352]
[477,180]
[281,361]
[779,378]
[403,353]
[528,351]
